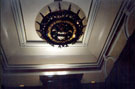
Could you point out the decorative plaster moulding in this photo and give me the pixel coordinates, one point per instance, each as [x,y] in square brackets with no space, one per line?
[25,14]
[22,49]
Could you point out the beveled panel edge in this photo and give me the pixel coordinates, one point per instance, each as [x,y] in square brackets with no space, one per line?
[69,67]
[128,11]
[48,67]
[118,22]
[17,16]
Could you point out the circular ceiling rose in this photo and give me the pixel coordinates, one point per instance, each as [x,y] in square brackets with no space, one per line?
[60,23]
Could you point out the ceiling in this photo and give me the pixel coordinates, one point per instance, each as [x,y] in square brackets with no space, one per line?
[25,56]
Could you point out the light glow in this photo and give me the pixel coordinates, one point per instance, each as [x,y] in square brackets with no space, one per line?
[93,82]
[49,73]
[62,73]
[56,73]
[21,85]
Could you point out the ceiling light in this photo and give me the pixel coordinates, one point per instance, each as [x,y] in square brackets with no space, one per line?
[61,27]
[21,85]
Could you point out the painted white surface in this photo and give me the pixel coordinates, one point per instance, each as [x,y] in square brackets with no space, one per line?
[18,54]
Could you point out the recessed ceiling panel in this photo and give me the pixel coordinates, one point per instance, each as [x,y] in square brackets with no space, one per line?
[23,47]
[30,11]
[24,51]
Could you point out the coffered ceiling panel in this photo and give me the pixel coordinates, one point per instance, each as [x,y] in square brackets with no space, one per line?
[25,14]
[23,49]
[28,48]
[30,11]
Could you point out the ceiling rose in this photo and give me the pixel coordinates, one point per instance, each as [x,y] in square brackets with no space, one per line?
[60,26]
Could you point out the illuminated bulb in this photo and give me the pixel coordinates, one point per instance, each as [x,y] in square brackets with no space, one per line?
[93,82]
[77,22]
[73,36]
[61,38]
[21,85]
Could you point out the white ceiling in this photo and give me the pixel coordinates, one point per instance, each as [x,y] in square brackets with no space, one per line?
[22,49]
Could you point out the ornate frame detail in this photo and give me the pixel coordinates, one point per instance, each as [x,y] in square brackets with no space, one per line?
[18,18]
[62,67]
